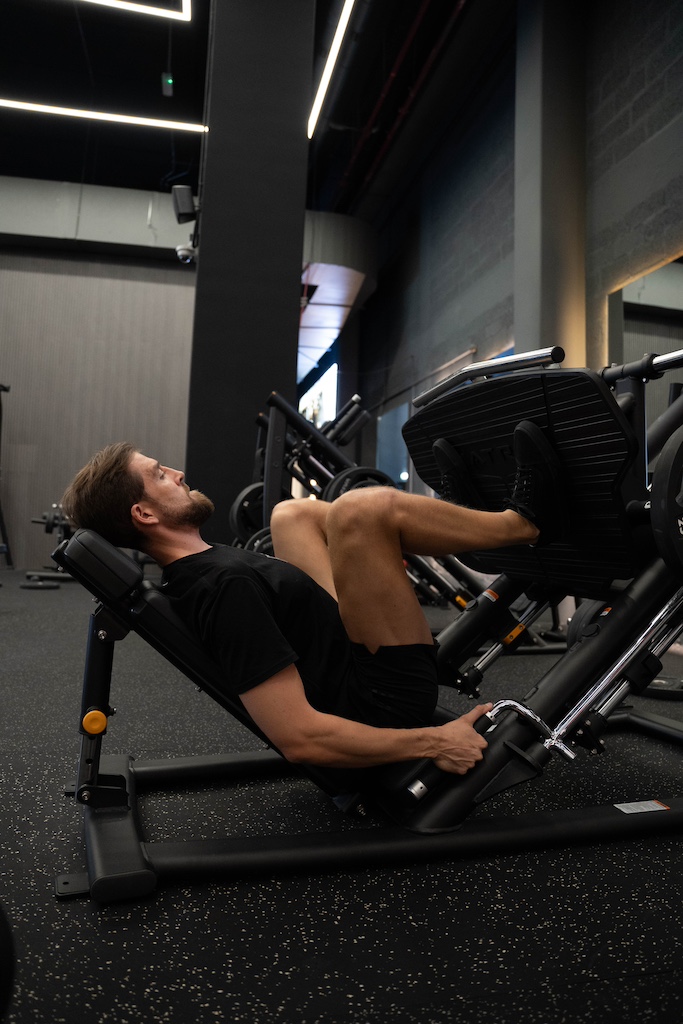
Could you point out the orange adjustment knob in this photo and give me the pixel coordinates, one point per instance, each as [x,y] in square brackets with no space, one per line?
[94,722]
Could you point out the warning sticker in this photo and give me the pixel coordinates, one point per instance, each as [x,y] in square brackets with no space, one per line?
[642,805]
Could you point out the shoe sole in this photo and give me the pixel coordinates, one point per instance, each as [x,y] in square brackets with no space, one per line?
[451,463]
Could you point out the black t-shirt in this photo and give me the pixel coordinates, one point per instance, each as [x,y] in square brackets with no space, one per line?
[256,615]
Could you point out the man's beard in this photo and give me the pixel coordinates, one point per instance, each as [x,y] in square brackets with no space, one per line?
[195,513]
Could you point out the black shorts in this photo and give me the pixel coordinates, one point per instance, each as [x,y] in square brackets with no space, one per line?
[394,688]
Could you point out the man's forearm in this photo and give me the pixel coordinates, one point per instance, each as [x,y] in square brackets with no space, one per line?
[304,735]
[338,742]
[341,743]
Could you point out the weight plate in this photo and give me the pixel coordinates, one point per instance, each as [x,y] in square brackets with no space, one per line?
[352,479]
[667,502]
[246,512]
[261,542]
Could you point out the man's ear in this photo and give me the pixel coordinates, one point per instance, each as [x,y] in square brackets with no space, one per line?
[143,515]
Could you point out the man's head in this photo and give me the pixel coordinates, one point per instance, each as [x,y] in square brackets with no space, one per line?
[121,494]
[167,500]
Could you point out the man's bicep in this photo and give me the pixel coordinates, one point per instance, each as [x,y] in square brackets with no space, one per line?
[279,707]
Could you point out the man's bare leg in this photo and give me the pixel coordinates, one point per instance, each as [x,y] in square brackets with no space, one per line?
[368,531]
[299,531]
[354,549]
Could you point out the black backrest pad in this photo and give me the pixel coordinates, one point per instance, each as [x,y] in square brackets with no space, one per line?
[117,581]
[603,469]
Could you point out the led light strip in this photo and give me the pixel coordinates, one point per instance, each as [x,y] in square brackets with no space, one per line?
[95,115]
[329,66]
[123,5]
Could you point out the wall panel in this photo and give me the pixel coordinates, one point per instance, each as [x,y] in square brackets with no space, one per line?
[634,149]
[94,350]
[446,277]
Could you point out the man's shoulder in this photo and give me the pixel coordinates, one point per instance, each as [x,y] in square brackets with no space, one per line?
[218,561]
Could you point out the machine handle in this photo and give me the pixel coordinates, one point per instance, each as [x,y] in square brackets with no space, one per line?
[522,361]
[650,367]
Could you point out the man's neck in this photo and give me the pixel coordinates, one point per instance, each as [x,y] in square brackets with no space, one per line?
[169,546]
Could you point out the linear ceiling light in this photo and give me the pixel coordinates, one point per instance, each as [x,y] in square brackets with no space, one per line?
[94,115]
[159,12]
[329,66]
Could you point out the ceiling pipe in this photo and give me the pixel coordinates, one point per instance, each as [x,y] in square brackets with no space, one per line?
[386,89]
[413,95]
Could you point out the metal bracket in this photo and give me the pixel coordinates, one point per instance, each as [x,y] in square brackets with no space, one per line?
[109,791]
[71,885]
[109,627]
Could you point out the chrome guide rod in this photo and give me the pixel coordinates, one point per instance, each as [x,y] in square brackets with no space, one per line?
[528,616]
[610,677]
[614,700]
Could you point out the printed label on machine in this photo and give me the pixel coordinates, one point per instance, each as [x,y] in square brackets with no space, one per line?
[642,805]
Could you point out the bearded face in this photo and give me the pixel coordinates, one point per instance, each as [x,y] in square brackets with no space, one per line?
[193,512]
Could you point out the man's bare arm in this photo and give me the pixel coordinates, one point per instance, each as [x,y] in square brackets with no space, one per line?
[281,710]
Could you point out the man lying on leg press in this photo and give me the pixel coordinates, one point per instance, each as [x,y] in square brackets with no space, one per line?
[326,644]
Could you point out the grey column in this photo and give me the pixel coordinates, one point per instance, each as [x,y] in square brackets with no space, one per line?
[251,237]
[549,283]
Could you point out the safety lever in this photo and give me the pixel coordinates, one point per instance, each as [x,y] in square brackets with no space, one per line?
[552,738]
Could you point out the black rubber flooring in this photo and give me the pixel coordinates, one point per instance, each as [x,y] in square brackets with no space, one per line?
[583,933]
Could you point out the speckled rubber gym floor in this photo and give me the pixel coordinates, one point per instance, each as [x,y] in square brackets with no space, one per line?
[583,933]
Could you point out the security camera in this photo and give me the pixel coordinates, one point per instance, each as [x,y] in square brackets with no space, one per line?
[186,253]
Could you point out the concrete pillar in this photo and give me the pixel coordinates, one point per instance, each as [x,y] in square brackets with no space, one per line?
[549,280]
[251,237]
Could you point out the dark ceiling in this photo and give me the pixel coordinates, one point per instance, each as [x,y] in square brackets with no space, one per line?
[86,56]
[83,55]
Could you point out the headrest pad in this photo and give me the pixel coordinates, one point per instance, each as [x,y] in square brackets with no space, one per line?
[104,570]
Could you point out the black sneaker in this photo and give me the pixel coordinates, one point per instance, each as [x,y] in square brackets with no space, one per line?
[537,493]
[456,479]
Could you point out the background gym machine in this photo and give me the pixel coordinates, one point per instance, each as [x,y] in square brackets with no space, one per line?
[55,522]
[291,453]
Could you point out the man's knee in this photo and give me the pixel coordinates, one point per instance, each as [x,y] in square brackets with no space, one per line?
[363,511]
[288,513]
[297,515]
